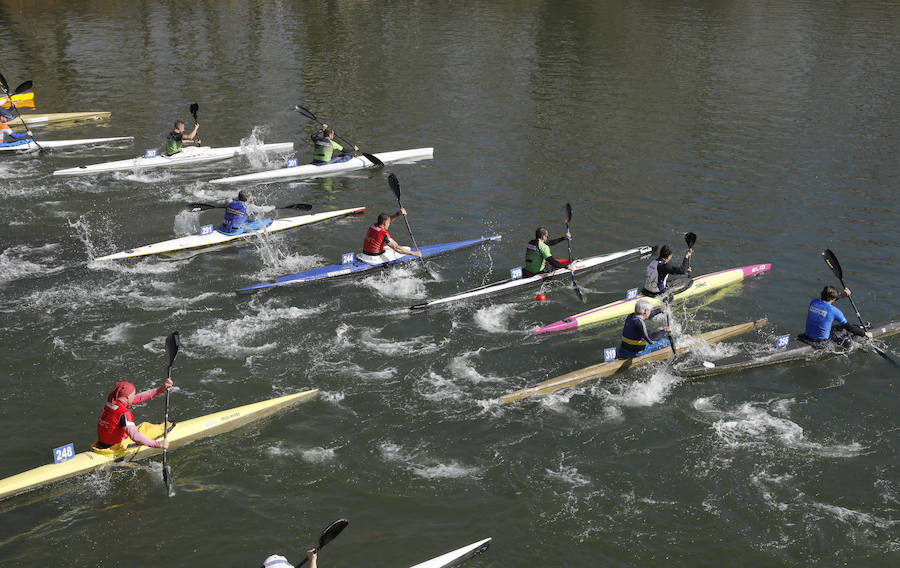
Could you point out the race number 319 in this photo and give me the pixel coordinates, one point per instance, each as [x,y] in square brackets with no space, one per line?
[64,453]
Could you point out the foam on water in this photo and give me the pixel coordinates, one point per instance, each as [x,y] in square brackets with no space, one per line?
[22,261]
[495,318]
[403,282]
[186,223]
[647,392]
[436,388]
[427,469]
[153,175]
[117,334]
[568,475]
[230,337]
[414,347]
[461,367]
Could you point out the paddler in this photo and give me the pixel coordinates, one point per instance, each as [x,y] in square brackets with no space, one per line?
[659,270]
[538,257]
[821,329]
[636,338]
[6,133]
[177,138]
[116,424]
[325,146]
[278,561]
[378,240]
[239,210]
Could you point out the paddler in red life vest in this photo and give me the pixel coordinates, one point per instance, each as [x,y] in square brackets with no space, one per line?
[378,240]
[116,424]
[325,146]
[538,257]
[659,270]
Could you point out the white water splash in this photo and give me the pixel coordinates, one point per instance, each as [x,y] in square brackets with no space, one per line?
[22,261]
[494,319]
[427,469]
[648,392]
[233,337]
[397,282]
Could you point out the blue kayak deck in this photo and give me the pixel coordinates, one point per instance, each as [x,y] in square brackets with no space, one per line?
[355,265]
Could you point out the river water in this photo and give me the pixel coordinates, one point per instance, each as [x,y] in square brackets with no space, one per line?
[768,128]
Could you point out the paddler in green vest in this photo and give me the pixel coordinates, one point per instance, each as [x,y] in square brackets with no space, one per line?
[177,138]
[538,257]
[325,146]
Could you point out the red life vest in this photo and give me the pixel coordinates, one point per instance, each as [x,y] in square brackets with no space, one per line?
[376,238]
[109,431]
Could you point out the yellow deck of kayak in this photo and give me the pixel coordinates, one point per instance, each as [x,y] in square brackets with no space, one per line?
[20,98]
[181,434]
[621,365]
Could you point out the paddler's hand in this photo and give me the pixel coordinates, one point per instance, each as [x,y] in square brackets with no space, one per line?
[568,235]
[164,444]
[845,293]
[402,211]
[869,334]
[356,148]
[689,253]
[312,556]
[167,384]
[416,253]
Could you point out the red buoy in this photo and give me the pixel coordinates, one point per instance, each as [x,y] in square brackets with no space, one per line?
[540,297]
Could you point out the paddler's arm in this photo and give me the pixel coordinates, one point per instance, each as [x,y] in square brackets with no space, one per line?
[403,250]
[556,241]
[153,393]
[190,137]
[257,210]
[136,436]
[19,135]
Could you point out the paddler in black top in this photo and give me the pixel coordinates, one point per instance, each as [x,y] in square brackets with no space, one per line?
[636,338]
[538,257]
[659,270]
[177,138]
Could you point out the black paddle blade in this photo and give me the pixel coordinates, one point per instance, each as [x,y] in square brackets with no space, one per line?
[833,264]
[306,112]
[194,108]
[332,531]
[300,206]
[690,239]
[173,342]
[26,86]
[395,185]
[4,83]
[568,209]
[196,207]
[372,159]
[168,480]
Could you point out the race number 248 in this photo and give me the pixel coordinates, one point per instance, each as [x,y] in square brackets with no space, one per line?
[63,453]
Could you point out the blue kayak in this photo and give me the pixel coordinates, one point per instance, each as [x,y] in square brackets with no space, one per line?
[352,265]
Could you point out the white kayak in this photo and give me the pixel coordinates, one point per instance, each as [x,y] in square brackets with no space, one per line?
[28,143]
[456,557]
[210,236]
[189,155]
[311,170]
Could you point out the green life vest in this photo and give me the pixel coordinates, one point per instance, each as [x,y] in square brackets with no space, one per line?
[324,149]
[536,256]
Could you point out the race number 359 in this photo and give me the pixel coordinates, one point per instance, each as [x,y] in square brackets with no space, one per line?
[63,453]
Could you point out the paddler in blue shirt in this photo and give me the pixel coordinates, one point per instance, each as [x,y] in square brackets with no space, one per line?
[637,340]
[325,146]
[659,270]
[239,210]
[177,138]
[6,133]
[538,257]
[821,329]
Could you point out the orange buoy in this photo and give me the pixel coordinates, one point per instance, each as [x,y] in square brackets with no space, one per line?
[540,297]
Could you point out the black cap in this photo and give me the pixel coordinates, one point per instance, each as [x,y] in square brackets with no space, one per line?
[243,195]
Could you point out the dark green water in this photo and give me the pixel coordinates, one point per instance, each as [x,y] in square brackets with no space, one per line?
[768,128]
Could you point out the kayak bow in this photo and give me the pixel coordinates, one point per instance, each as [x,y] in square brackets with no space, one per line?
[621,308]
[458,556]
[178,435]
[354,265]
[214,237]
[621,365]
[601,262]
[28,143]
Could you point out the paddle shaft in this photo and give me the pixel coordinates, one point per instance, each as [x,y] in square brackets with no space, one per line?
[572,272]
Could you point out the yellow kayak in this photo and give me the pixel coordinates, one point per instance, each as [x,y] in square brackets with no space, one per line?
[180,434]
[20,98]
[622,365]
[35,119]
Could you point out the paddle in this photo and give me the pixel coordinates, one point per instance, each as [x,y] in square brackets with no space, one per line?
[26,86]
[835,266]
[194,108]
[395,187]
[308,114]
[173,342]
[329,534]
[569,244]
[197,207]
[690,239]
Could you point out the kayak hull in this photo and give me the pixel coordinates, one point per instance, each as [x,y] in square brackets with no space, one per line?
[28,144]
[622,308]
[180,434]
[337,270]
[796,351]
[309,170]
[456,557]
[188,156]
[33,120]
[217,238]
[601,262]
[621,365]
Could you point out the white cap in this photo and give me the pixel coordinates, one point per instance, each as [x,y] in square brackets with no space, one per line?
[276,561]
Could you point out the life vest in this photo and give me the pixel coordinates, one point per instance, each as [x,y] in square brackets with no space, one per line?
[633,334]
[109,430]
[536,254]
[173,143]
[653,284]
[235,215]
[325,149]
[376,238]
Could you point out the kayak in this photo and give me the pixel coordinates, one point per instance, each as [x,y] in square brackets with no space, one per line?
[53,118]
[189,155]
[28,143]
[209,236]
[456,557]
[786,350]
[621,365]
[352,265]
[601,262]
[311,170]
[179,434]
[16,99]
[621,308]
